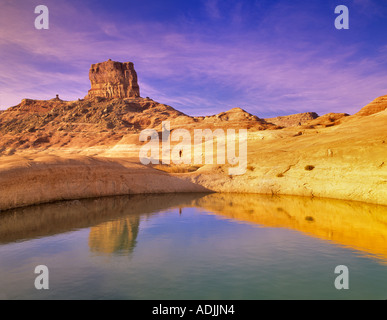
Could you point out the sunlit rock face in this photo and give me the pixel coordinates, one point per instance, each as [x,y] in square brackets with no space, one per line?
[112,79]
[378,105]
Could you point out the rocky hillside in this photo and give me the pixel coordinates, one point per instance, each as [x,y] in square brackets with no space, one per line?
[293,120]
[113,112]
[89,122]
[57,123]
[235,118]
[379,104]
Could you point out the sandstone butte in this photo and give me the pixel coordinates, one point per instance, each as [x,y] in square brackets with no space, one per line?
[53,150]
[113,79]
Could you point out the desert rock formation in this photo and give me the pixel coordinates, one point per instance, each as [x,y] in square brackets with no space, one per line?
[112,79]
[293,120]
[379,104]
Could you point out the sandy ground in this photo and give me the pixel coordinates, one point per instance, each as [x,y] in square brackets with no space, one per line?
[347,161]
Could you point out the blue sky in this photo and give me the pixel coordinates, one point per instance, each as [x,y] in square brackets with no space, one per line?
[269,57]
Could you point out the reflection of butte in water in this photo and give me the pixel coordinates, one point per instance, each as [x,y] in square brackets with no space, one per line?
[55,218]
[358,225]
[115,236]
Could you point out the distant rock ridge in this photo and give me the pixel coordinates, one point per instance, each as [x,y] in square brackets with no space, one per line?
[233,114]
[379,104]
[234,118]
[112,79]
[293,120]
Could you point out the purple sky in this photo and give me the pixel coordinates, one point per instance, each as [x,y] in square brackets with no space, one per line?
[270,58]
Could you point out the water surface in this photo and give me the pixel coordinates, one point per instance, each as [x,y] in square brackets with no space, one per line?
[195,246]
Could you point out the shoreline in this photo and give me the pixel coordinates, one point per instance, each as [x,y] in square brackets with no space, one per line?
[47,179]
[27,181]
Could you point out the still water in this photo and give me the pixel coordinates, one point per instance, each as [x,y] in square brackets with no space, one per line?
[195,246]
